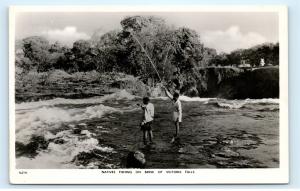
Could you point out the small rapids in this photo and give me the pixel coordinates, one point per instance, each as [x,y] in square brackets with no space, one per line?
[98,132]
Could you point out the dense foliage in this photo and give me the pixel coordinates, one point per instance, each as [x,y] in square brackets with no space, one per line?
[268,52]
[170,50]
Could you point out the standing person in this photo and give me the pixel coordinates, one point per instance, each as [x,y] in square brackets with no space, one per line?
[148,116]
[177,112]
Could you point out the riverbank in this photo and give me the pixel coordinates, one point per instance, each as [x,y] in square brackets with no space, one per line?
[234,83]
[219,82]
[34,86]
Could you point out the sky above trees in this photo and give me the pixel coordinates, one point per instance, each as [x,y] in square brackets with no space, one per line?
[223,31]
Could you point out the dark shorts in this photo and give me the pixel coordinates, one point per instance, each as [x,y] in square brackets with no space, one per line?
[146,126]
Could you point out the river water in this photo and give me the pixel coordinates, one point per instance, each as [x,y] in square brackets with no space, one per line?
[99,132]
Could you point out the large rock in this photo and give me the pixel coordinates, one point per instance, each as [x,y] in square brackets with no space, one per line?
[233,83]
[135,160]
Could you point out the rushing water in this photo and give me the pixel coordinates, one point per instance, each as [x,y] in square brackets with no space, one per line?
[99,132]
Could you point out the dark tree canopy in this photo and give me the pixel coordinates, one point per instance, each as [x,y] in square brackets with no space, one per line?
[127,50]
[252,56]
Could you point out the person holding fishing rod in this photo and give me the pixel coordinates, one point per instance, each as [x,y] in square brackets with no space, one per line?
[177,109]
[177,112]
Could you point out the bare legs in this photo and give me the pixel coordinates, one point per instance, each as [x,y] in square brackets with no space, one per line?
[150,136]
[176,135]
[177,129]
[145,136]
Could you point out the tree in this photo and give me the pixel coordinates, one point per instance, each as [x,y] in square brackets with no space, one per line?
[208,55]
[183,47]
[148,33]
[83,56]
[36,49]
[268,51]
[188,50]
[219,60]
[110,53]
[138,23]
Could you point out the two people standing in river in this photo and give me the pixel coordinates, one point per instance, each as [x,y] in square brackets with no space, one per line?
[148,115]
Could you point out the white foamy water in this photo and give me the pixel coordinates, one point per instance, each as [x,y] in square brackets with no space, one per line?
[199,99]
[61,155]
[120,95]
[264,100]
[236,104]
[187,99]
[40,121]
[232,104]
[42,117]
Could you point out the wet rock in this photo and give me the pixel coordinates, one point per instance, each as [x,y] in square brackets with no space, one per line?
[84,158]
[259,116]
[249,142]
[86,132]
[207,166]
[221,164]
[227,153]
[135,160]
[210,141]
[246,135]
[59,141]
[77,131]
[188,149]
[82,125]
[30,150]
[94,156]
[228,141]
[243,163]
[220,139]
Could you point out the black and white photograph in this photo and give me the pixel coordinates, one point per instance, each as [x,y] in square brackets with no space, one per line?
[147,90]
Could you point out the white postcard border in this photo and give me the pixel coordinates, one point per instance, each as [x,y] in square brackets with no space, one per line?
[160,176]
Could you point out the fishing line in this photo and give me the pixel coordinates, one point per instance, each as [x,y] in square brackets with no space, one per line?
[147,56]
[166,59]
[137,141]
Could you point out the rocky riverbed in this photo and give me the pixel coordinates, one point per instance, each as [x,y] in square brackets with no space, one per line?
[99,132]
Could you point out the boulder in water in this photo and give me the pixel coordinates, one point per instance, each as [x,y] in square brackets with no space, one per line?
[77,131]
[59,141]
[31,149]
[227,153]
[86,132]
[135,160]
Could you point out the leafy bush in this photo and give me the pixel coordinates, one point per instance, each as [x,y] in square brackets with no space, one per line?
[143,47]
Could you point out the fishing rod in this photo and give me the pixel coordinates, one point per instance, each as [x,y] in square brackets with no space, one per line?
[147,56]
[166,58]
